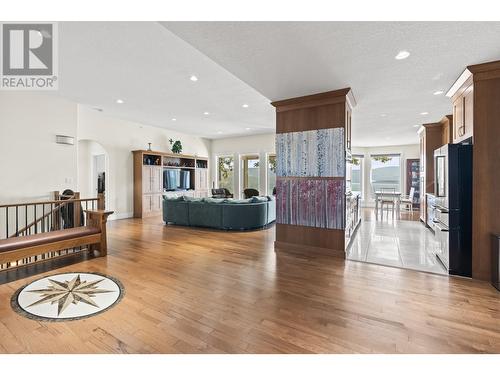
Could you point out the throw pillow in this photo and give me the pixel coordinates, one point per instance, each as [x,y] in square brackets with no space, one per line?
[239,201]
[259,199]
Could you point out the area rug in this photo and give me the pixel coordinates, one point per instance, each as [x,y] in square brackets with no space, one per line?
[67,296]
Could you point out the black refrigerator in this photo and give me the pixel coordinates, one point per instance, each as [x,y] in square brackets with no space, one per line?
[453,208]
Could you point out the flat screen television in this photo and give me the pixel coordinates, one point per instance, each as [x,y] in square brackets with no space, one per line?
[176,179]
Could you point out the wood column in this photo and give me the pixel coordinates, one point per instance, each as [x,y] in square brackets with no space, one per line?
[486,165]
[313,138]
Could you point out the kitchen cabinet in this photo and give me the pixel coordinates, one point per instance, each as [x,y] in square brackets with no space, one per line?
[348,129]
[463,112]
[458,117]
[431,201]
[468,112]
[431,138]
[479,86]
[353,217]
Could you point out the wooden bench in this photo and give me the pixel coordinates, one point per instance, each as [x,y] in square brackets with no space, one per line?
[92,235]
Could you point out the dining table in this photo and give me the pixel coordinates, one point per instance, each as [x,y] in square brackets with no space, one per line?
[396,195]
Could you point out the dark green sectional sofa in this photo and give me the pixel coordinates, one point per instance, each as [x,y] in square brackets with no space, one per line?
[233,214]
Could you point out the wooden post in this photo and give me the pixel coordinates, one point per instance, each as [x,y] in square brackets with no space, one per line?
[56,215]
[100,201]
[76,211]
[98,219]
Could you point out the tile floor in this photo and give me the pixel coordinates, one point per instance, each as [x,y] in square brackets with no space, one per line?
[399,243]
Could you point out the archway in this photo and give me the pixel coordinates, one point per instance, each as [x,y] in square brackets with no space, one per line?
[93,170]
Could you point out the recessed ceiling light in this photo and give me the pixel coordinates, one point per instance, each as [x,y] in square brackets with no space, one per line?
[383,115]
[424,113]
[119,101]
[174,119]
[206,113]
[245,105]
[438,92]
[193,78]
[219,132]
[402,55]
[248,128]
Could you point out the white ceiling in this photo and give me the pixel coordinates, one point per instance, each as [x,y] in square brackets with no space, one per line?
[148,67]
[287,59]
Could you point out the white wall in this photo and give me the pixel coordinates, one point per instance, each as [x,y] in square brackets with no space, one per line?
[406,152]
[119,137]
[32,164]
[260,144]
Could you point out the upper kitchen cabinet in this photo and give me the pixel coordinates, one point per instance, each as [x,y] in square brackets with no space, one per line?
[447,129]
[348,124]
[462,96]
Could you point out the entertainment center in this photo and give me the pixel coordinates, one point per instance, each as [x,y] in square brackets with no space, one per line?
[158,173]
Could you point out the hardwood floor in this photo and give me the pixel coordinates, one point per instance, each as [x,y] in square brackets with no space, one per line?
[199,291]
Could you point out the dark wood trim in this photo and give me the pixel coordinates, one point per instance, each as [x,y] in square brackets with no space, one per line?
[484,67]
[315,100]
[332,115]
[311,237]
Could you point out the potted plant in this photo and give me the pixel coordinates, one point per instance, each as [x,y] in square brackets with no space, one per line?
[176,146]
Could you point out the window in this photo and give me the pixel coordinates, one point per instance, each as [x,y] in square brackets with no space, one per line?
[271,174]
[225,165]
[385,172]
[250,172]
[357,174]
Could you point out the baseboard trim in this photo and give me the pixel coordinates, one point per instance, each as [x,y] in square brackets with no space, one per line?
[120,216]
[304,250]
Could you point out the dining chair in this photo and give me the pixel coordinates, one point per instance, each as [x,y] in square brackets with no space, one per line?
[387,200]
[407,200]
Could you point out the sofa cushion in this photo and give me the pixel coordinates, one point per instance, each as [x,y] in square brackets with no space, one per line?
[203,214]
[175,211]
[239,201]
[192,199]
[258,199]
[244,216]
[214,200]
[173,199]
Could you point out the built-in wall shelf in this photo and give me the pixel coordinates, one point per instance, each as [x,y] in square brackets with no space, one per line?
[152,170]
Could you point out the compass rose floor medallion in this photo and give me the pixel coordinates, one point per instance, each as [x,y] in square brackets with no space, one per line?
[67,296]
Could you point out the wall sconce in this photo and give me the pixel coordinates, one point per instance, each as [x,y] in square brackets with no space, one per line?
[65,140]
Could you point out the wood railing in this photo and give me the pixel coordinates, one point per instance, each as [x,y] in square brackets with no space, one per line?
[61,212]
